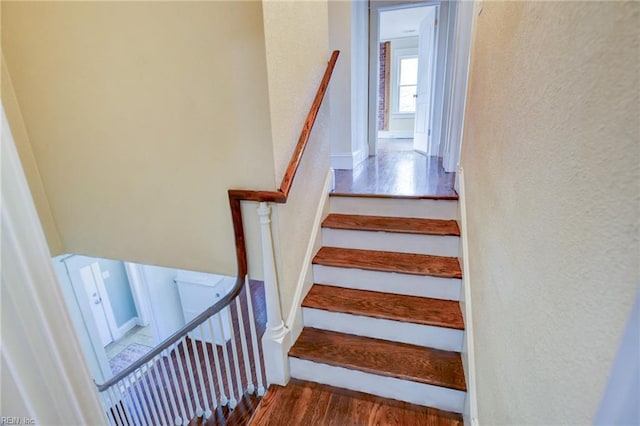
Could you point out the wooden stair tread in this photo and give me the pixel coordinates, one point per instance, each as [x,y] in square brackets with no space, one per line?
[381,357]
[413,309]
[308,403]
[392,224]
[385,261]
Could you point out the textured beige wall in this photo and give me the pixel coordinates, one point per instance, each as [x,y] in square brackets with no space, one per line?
[296,38]
[551,158]
[140,116]
[14,116]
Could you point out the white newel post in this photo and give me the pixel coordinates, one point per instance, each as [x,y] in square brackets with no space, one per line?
[275,339]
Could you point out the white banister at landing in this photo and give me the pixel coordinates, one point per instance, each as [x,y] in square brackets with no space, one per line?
[193,375]
[275,338]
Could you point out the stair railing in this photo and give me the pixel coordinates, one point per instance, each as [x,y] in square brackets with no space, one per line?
[214,360]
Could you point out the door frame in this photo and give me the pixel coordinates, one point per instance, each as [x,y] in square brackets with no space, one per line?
[375,7]
[452,124]
[90,325]
[432,82]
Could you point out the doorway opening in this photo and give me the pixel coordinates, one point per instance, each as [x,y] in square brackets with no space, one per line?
[419,54]
[407,46]
[122,310]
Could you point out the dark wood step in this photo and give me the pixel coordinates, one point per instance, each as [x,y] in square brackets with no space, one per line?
[392,224]
[417,310]
[308,403]
[381,357]
[385,261]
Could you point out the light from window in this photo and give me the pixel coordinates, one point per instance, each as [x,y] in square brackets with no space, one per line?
[408,78]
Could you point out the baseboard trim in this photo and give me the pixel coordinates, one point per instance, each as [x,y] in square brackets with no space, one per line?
[305,280]
[124,328]
[396,134]
[470,413]
[348,160]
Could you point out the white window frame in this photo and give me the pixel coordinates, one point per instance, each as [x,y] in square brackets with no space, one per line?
[396,56]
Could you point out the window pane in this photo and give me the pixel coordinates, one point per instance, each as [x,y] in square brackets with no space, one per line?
[409,71]
[406,100]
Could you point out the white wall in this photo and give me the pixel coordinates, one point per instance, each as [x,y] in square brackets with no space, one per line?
[43,375]
[348,91]
[163,296]
[139,117]
[296,38]
[551,166]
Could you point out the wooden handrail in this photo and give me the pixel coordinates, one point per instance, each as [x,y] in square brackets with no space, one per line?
[281,195]
[235,197]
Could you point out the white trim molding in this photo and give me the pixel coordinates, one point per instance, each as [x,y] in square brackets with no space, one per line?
[470,413]
[305,279]
[348,160]
[275,340]
[39,348]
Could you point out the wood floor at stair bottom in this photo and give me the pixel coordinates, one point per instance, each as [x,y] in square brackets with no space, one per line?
[392,224]
[396,307]
[381,357]
[386,261]
[223,416]
[306,403]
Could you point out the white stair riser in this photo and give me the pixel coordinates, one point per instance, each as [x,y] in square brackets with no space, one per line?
[395,207]
[447,339]
[388,282]
[437,245]
[387,387]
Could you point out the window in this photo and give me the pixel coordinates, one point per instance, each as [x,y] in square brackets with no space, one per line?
[407,81]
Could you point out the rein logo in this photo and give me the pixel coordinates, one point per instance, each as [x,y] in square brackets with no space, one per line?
[17,421]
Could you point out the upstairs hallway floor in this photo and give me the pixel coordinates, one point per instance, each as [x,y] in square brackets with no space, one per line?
[397,171]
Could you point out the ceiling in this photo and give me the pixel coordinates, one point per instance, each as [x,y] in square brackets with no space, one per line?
[401,22]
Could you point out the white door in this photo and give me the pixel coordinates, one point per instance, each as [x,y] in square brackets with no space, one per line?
[96,304]
[426,59]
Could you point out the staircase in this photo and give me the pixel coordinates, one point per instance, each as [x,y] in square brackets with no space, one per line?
[383,316]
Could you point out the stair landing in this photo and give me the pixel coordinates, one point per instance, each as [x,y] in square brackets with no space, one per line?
[307,403]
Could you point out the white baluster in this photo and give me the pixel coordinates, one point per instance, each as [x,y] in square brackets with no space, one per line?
[192,379]
[108,405]
[184,416]
[254,338]
[170,389]
[135,399]
[148,399]
[234,351]
[225,356]
[275,340]
[207,364]
[126,406]
[245,350]
[185,388]
[198,368]
[119,404]
[156,369]
[224,400]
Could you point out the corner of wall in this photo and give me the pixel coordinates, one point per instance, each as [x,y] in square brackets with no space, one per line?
[470,414]
[29,164]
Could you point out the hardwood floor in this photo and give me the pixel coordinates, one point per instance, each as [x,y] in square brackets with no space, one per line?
[392,224]
[315,404]
[405,263]
[156,383]
[382,357]
[396,307]
[404,174]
